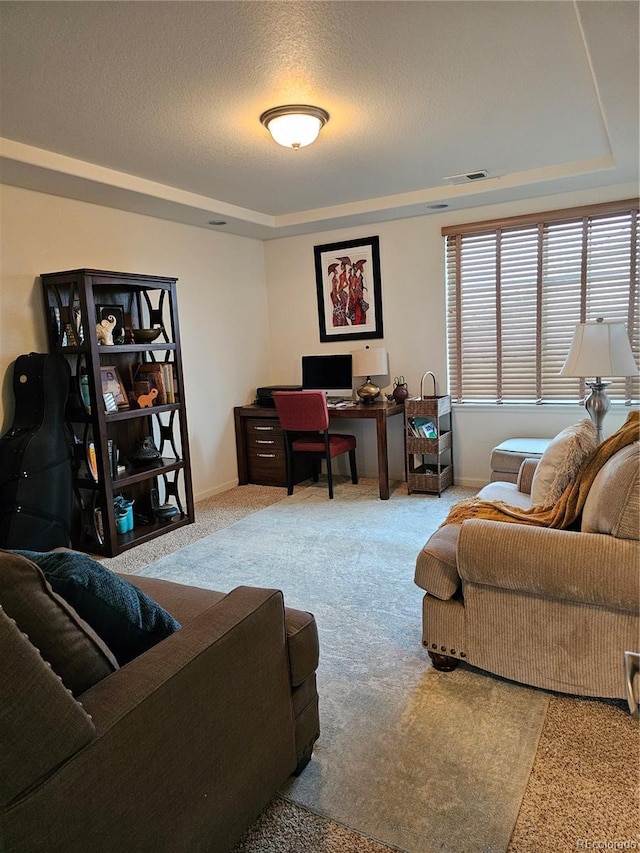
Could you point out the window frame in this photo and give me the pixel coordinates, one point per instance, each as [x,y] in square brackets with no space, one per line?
[577,231]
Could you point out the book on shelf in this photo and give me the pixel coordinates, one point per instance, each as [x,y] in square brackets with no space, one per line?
[151,372]
[112,450]
[92,462]
[422,427]
[92,459]
[167,378]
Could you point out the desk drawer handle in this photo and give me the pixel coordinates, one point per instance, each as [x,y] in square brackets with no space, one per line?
[267,428]
[266,455]
[265,441]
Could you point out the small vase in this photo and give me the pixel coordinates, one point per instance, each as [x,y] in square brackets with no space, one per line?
[400,393]
[144,452]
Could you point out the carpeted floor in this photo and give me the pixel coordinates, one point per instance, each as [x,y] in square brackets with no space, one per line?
[582,790]
[392,727]
[286,827]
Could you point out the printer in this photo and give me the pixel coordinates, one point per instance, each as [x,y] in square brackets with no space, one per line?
[264,395]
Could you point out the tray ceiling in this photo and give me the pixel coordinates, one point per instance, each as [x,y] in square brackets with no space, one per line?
[154,106]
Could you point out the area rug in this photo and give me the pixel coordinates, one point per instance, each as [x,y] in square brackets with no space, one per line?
[421,760]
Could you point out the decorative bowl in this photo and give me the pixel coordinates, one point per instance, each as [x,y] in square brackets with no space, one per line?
[145,336]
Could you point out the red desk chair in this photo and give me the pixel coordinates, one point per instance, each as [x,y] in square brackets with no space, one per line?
[306,412]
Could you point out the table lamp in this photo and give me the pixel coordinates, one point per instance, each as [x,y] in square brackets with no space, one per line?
[369,362]
[599,349]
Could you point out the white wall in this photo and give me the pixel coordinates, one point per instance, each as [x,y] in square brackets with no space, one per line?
[221,301]
[414,314]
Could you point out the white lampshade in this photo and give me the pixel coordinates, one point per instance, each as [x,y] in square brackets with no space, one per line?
[296,125]
[371,361]
[600,349]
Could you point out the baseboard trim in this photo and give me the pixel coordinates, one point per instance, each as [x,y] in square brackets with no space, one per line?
[231,484]
[470,484]
[216,490]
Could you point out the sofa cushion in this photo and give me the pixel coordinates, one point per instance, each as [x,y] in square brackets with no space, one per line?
[506,492]
[561,462]
[526,474]
[302,644]
[185,603]
[128,620]
[42,725]
[436,566]
[72,648]
[613,502]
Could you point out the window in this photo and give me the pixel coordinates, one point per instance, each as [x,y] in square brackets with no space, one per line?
[517,287]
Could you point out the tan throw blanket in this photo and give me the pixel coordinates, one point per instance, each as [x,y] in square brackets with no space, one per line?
[570,504]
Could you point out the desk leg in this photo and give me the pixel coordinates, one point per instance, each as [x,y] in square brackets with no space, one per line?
[241,449]
[383,457]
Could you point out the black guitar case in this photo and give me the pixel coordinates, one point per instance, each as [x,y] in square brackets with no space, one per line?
[36,491]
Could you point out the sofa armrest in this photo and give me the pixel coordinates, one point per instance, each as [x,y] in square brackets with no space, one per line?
[110,699]
[525,475]
[202,721]
[589,568]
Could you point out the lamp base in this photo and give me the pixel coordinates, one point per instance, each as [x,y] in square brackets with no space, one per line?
[368,391]
[597,404]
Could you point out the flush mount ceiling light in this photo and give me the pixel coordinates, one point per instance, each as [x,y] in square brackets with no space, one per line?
[296,125]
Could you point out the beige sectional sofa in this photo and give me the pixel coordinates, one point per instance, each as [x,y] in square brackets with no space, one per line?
[553,608]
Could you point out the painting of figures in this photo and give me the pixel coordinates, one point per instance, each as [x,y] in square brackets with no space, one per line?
[349,289]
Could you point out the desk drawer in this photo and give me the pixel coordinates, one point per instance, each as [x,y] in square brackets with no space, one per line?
[266,467]
[269,467]
[265,442]
[263,428]
[264,454]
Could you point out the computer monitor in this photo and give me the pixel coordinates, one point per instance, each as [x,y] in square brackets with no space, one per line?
[330,373]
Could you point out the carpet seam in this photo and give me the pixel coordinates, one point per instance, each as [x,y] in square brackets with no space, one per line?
[327,817]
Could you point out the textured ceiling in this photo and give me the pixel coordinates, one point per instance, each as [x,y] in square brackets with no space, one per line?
[154,106]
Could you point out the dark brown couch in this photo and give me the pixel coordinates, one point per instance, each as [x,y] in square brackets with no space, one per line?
[178,750]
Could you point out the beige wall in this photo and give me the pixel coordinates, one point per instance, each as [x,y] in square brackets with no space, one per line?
[221,301]
[413,294]
[248,313]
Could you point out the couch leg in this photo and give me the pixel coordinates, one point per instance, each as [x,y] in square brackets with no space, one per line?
[305,758]
[443,663]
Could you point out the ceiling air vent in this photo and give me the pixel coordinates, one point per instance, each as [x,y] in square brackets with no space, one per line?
[467,177]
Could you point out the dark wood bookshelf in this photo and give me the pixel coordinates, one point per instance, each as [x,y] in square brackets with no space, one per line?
[74,300]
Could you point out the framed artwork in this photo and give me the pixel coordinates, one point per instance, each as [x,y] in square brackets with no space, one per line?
[117,311]
[349,289]
[112,384]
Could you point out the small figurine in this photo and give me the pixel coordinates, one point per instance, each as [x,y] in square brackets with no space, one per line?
[145,401]
[104,330]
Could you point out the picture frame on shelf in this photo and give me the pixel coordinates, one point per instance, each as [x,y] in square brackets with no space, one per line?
[112,384]
[349,290]
[110,404]
[117,311]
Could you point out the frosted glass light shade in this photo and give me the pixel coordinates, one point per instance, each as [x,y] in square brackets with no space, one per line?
[294,126]
[600,349]
[371,361]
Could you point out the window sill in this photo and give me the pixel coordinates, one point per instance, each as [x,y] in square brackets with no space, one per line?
[532,407]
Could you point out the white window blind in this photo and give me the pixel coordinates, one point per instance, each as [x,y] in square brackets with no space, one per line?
[516,289]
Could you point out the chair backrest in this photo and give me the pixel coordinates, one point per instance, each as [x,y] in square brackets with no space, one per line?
[302,411]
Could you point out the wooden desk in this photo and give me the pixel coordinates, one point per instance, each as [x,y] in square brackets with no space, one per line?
[267,466]
[379,412]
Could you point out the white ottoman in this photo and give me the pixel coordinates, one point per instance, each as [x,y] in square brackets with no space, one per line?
[507,457]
